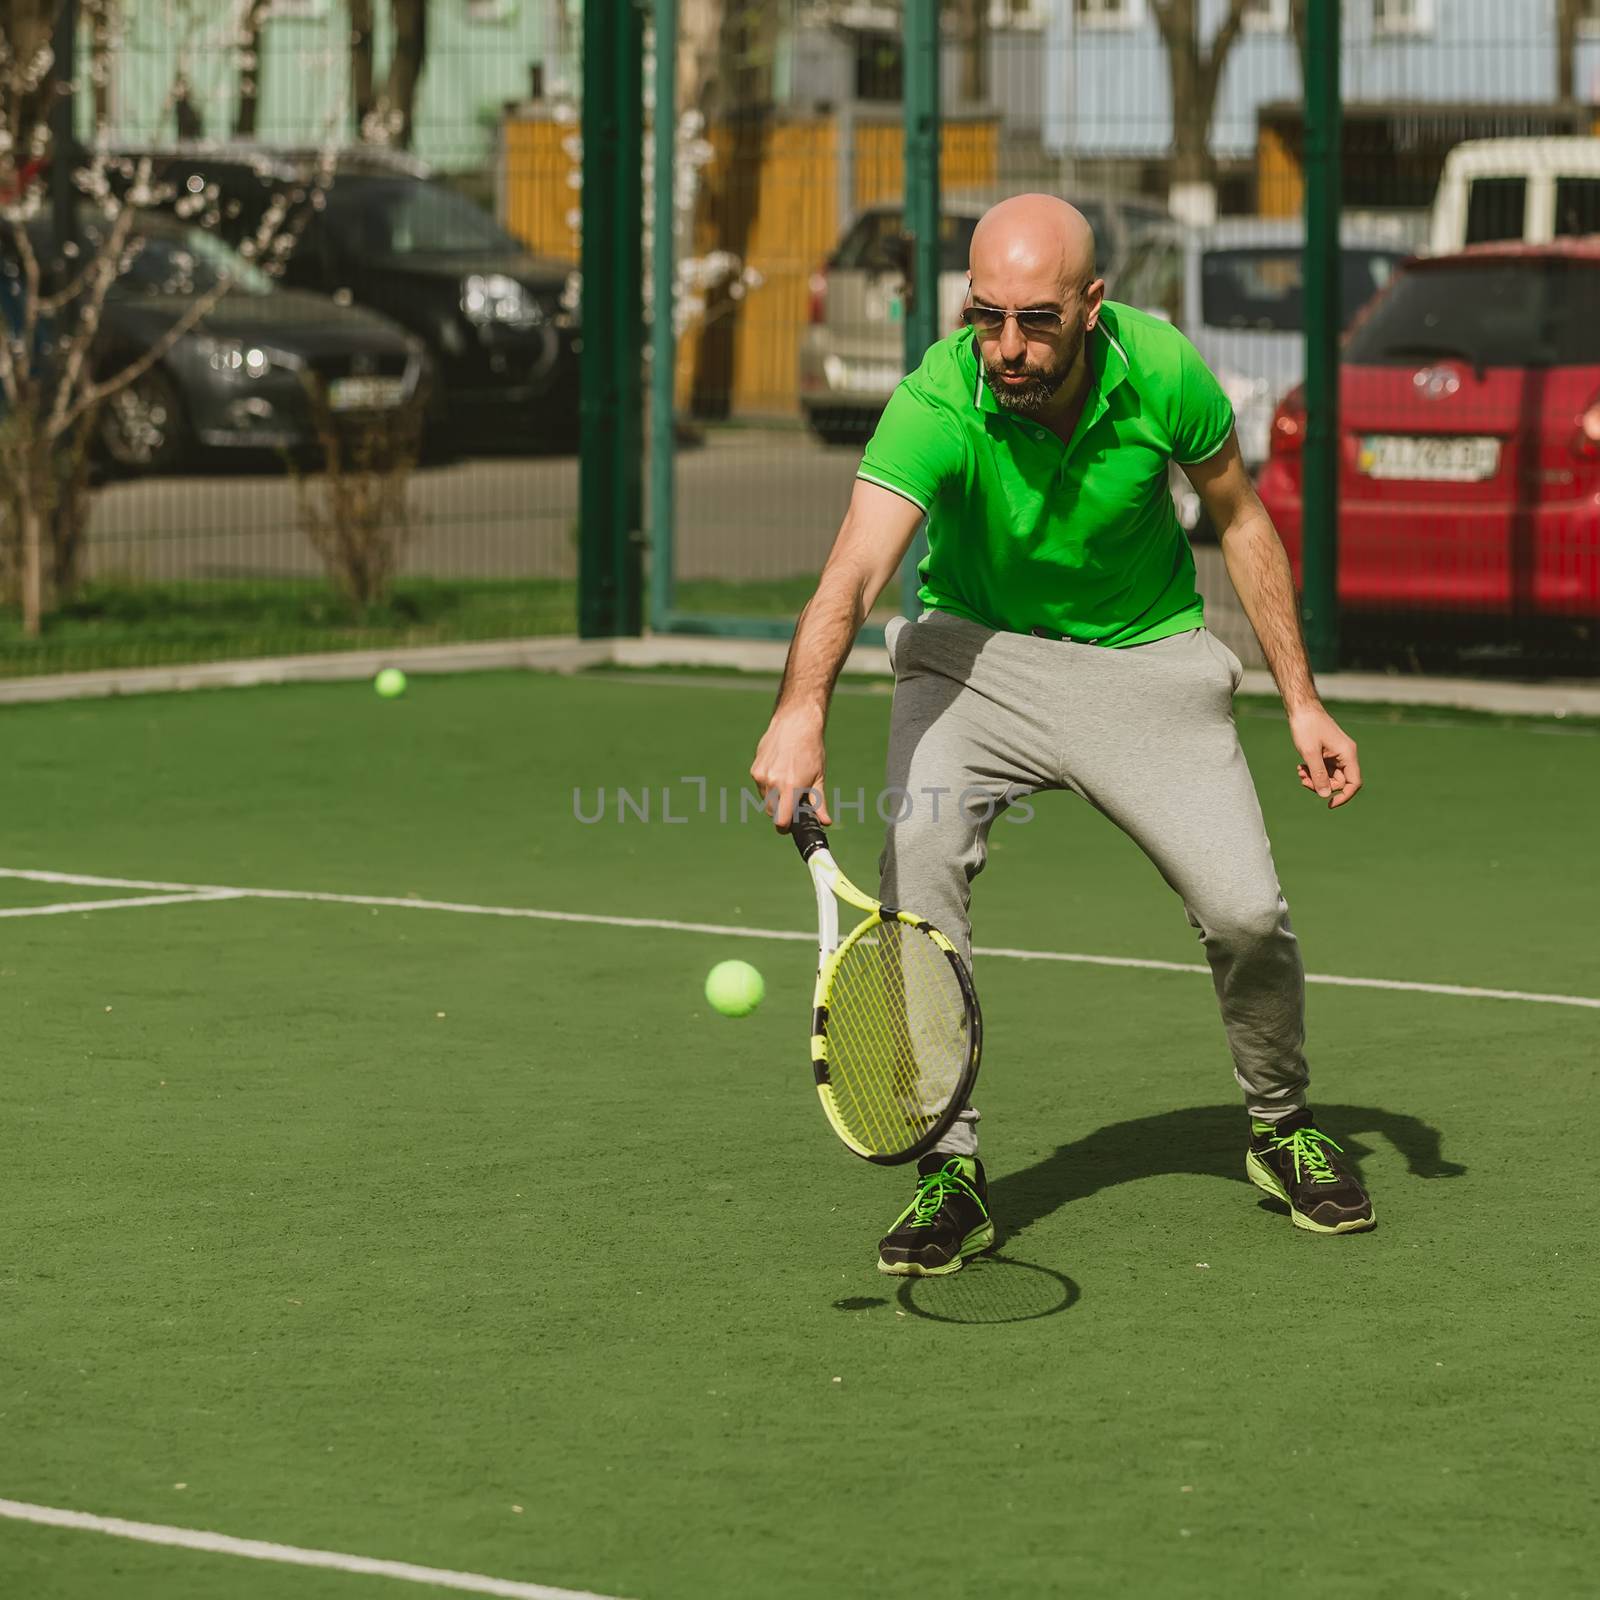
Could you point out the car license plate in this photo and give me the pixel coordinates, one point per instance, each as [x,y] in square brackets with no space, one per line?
[872,377]
[365,394]
[1429,460]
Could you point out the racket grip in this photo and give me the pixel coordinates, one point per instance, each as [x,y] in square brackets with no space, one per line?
[807,832]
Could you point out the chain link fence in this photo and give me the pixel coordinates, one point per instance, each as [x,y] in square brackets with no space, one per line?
[371,438]
[1470,448]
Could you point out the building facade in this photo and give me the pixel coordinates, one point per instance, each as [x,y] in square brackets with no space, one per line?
[480,55]
[1083,88]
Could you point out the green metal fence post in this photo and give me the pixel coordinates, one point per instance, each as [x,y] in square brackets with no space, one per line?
[597,400]
[663,343]
[1320,491]
[921,162]
[609,509]
[627,313]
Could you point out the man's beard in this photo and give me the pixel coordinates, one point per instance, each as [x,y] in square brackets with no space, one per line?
[1031,397]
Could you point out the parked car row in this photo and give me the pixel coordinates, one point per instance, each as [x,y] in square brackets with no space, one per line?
[397,286]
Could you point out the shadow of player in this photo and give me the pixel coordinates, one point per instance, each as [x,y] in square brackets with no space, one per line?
[1208,1141]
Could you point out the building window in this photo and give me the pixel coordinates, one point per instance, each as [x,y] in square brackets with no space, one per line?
[1019,13]
[1402,19]
[1266,16]
[1589,18]
[490,10]
[1110,14]
[880,67]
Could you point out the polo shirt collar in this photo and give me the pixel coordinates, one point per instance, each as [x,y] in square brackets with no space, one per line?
[1108,367]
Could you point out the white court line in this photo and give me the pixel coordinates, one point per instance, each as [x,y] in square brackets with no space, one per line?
[1460,991]
[223,1544]
[61,907]
[202,891]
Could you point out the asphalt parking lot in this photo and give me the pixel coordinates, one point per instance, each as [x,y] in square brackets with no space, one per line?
[753,503]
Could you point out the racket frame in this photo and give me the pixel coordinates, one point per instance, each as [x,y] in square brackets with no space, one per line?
[832,885]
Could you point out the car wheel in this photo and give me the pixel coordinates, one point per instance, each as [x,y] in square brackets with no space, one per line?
[835,427]
[142,426]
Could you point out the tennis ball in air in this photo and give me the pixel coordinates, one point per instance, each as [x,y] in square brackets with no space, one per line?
[390,682]
[735,988]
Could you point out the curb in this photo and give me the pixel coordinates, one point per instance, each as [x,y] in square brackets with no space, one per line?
[559,654]
[1559,699]
[567,654]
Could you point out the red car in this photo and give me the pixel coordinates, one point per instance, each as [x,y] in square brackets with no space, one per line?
[1469,476]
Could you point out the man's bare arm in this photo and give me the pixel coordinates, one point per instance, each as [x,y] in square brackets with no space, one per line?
[1259,569]
[876,533]
[1261,575]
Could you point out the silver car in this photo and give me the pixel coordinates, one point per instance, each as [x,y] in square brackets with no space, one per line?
[1236,290]
[852,351]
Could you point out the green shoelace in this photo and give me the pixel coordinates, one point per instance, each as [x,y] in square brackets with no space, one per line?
[931,1192]
[1306,1146]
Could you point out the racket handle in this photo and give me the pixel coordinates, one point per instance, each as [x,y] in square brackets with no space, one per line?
[807,832]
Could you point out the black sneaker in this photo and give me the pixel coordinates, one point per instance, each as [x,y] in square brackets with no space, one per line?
[946,1222]
[1295,1162]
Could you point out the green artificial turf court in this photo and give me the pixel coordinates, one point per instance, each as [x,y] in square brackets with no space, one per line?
[480,1242]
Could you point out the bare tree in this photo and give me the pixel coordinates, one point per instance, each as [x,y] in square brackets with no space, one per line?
[740,95]
[1195,71]
[29,32]
[699,30]
[388,116]
[750,33]
[406,63]
[973,25]
[1569,15]
[103,18]
[53,373]
[362,97]
[251,22]
[186,110]
[702,74]
[1300,27]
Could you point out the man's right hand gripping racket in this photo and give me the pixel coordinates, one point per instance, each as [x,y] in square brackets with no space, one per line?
[896,1033]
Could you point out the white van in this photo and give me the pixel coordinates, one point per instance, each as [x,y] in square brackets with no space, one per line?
[1529,189]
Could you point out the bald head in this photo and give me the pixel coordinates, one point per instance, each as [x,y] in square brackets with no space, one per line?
[1034,252]
[1032,240]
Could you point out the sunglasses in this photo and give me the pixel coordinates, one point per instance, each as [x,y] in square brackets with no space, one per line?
[1035,324]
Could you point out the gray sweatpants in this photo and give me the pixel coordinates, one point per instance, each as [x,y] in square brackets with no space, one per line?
[1146,736]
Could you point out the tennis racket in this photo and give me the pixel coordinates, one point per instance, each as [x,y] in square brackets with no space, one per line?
[896,1033]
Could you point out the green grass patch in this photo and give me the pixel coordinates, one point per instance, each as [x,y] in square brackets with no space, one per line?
[773,597]
[110,625]
[143,625]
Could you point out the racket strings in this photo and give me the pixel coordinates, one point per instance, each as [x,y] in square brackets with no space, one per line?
[898,1035]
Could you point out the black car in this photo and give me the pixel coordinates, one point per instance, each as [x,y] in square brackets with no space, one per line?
[380,232]
[237,380]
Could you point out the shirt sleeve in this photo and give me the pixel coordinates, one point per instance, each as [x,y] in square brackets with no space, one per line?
[915,449]
[1205,414]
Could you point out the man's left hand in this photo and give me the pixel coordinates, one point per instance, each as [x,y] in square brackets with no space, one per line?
[1328,764]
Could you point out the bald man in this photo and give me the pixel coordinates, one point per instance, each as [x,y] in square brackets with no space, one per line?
[1062,645]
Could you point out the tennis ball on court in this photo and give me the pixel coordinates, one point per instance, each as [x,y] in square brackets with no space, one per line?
[390,682]
[735,988]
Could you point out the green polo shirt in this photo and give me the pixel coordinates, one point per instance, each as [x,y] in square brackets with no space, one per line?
[1024,532]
